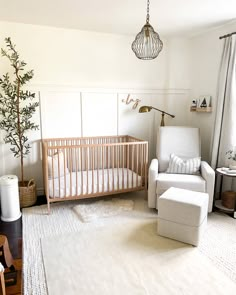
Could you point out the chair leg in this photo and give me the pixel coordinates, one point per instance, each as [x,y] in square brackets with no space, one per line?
[2,283]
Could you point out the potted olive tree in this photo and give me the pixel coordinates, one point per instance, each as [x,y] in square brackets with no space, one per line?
[16,110]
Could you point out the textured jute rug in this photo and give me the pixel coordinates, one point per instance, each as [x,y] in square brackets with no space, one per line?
[128,259]
[40,231]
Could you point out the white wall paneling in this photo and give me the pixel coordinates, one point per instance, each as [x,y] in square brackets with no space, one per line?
[60,114]
[99,114]
[132,122]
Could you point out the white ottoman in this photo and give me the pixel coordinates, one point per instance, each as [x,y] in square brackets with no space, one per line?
[182,215]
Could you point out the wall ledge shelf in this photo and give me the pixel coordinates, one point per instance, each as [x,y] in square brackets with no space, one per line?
[201,110]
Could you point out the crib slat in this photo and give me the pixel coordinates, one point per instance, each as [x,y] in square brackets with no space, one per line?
[53,178]
[137,157]
[86,167]
[113,165]
[118,166]
[141,164]
[93,155]
[70,156]
[59,172]
[98,166]
[65,183]
[132,166]
[76,170]
[127,166]
[81,171]
[108,168]
[145,165]
[102,169]
[123,165]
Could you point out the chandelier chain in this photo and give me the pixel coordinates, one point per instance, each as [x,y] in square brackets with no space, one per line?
[147,19]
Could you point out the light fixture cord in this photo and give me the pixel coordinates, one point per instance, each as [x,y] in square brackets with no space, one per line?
[147,19]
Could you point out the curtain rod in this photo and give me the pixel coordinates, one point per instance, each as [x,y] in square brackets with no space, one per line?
[228,35]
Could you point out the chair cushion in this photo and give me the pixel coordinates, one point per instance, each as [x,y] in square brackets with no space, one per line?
[184,181]
[182,141]
[183,166]
[183,206]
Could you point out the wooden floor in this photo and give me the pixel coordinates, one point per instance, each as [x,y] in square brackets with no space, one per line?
[13,232]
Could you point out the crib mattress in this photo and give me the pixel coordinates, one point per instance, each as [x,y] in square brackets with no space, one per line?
[93,181]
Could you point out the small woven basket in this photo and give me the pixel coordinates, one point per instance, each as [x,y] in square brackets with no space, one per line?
[28,196]
[228,199]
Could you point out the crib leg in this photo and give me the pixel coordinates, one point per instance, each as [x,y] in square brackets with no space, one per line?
[49,211]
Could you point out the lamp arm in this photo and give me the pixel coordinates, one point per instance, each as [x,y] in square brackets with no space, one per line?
[163,112]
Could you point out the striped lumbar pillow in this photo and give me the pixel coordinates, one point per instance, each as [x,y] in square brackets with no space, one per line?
[181,166]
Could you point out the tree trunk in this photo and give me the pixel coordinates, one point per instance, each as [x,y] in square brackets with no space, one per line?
[19,127]
[22,168]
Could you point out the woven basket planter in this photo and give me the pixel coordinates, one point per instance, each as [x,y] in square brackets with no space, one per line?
[28,196]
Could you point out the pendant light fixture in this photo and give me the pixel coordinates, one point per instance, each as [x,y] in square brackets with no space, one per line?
[147,44]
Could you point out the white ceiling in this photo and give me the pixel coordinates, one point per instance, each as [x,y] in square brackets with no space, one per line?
[168,17]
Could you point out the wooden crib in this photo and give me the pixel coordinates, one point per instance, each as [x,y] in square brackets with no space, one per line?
[78,168]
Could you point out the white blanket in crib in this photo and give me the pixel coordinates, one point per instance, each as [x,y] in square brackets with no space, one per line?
[96,181]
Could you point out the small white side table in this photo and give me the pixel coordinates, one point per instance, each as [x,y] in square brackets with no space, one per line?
[220,172]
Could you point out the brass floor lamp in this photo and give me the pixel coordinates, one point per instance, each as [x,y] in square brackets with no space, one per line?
[144,109]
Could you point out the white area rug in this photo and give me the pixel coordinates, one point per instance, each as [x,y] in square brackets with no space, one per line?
[218,243]
[128,259]
[103,208]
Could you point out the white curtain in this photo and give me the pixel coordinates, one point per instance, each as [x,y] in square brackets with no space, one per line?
[224,137]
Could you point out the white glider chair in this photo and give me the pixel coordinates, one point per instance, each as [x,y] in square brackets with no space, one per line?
[177,165]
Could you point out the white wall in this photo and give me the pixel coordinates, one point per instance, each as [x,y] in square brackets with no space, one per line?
[90,59]
[72,71]
[82,58]
[205,51]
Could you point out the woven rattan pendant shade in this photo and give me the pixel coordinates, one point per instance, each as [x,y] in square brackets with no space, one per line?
[147,44]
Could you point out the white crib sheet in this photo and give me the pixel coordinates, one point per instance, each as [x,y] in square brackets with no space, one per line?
[109,180]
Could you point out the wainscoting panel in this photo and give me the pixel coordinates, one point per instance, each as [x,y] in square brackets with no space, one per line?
[99,114]
[132,122]
[60,114]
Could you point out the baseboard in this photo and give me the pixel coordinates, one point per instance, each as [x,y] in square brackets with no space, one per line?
[40,191]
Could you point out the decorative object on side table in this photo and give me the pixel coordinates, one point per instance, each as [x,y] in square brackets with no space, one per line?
[17,109]
[227,200]
[231,155]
